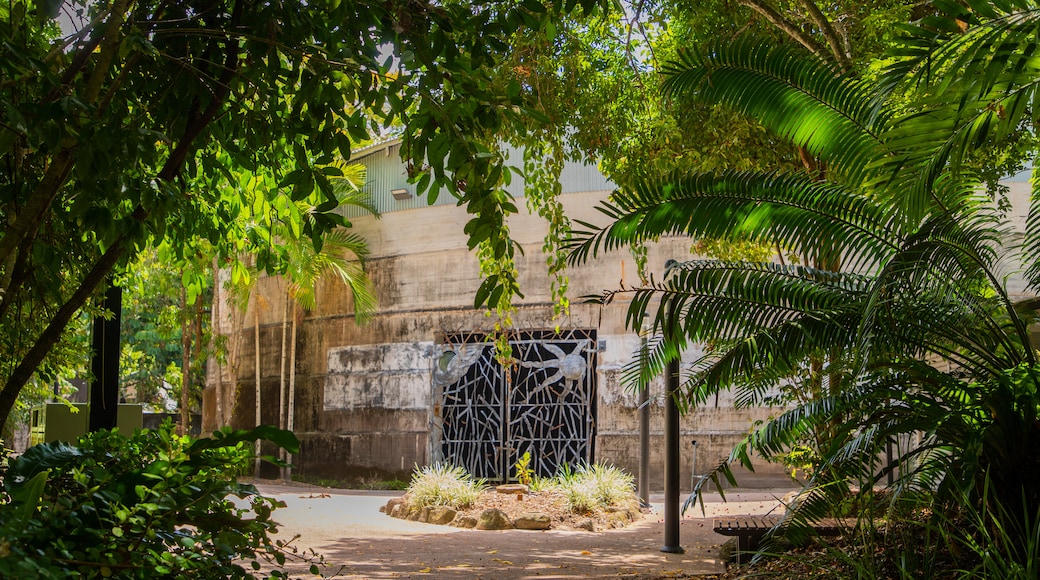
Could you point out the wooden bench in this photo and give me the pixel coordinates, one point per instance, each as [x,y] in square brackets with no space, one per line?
[749,531]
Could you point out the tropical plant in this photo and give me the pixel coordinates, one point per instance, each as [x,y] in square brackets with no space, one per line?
[341,256]
[590,487]
[900,312]
[154,504]
[523,472]
[441,484]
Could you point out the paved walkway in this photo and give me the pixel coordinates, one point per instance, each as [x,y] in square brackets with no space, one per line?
[359,542]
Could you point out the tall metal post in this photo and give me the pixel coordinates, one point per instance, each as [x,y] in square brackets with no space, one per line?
[644,424]
[104,364]
[671,441]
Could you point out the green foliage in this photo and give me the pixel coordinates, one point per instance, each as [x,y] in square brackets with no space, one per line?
[162,122]
[523,472]
[900,323]
[589,487]
[151,505]
[972,540]
[151,324]
[443,484]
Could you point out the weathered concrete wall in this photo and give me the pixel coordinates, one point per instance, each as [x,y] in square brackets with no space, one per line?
[364,399]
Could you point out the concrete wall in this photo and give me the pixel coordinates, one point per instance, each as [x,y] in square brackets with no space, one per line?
[364,403]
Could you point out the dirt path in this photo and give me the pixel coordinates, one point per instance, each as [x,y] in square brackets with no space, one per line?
[347,528]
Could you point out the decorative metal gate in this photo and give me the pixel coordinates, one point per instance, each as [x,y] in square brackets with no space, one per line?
[544,404]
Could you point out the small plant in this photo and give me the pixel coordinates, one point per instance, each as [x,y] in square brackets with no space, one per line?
[593,486]
[542,484]
[442,484]
[524,473]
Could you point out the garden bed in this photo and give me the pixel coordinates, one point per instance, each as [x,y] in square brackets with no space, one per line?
[522,510]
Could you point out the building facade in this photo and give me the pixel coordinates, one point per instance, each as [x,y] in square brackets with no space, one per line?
[419,383]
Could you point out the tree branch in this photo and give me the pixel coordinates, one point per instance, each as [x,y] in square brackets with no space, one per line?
[61,166]
[829,33]
[198,122]
[50,335]
[785,25]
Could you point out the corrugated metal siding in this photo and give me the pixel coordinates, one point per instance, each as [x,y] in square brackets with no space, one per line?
[386,172]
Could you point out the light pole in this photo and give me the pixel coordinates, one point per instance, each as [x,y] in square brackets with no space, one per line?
[671,435]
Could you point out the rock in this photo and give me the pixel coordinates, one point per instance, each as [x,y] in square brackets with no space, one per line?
[532,521]
[493,519]
[399,511]
[622,514]
[462,521]
[394,502]
[440,515]
[586,524]
[414,514]
[513,488]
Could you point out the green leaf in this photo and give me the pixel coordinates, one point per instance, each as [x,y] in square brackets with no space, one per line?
[484,291]
[29,495]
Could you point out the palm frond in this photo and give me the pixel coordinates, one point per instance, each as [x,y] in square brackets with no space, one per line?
[977,69]
[753,367]
[1032,239]
[943,285]
[342,256]
[789,210]
[797,95]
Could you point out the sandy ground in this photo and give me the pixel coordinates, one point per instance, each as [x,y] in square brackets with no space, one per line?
[360,542]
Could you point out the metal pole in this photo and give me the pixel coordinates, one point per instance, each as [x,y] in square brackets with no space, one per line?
[644,426]
[671,444]
[104,364]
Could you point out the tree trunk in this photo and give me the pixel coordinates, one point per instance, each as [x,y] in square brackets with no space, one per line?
[256,343]
[214,325]
[234,349]
[196,358]
[182,429]
[281,374]
[50,335]
[297,314]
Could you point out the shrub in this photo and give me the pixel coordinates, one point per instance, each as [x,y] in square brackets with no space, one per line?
[154,505]
[442,484]
[590,487]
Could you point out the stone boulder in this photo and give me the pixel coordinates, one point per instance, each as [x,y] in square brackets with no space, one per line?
[462,521]
[394,503]
[493,519]
[532,521]
[440,515]
[586,524]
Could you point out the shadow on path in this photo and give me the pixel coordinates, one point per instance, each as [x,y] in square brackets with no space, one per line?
[360,542]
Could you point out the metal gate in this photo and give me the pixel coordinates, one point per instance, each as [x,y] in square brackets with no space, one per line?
[545,403]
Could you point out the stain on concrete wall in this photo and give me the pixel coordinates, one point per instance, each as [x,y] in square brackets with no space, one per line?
[380,376]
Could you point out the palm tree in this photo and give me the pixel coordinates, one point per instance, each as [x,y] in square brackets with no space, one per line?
[902,308]
[341,257]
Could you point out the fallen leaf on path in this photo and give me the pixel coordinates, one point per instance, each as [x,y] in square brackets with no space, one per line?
[501,561]
[491,552]
[425,570]
[586,553]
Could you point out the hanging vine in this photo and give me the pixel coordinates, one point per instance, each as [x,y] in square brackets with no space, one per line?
[543,165]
